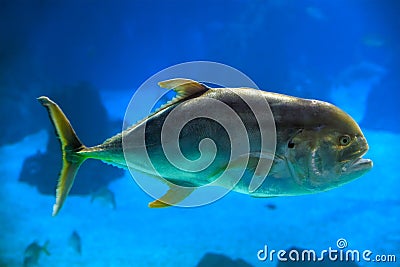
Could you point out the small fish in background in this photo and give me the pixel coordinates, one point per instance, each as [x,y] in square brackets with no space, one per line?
[75,242]
[32,253]
[270,206]
[105,196]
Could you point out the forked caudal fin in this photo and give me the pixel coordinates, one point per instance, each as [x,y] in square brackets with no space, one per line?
[74,153]
[70,145]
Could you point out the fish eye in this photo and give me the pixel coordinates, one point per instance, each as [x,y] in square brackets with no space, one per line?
[290,144]
[345,140]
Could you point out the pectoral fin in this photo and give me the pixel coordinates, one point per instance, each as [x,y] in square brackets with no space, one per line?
[256,165]
[261,170]
[174,195]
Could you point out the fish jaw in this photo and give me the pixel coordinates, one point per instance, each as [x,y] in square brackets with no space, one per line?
[358,165]
[357,168]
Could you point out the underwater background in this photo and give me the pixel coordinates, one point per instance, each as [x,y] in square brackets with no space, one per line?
[91,56]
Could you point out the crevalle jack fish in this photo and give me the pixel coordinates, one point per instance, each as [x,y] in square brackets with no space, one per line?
[105,196]
[318,146]
[75,242]
[32,253]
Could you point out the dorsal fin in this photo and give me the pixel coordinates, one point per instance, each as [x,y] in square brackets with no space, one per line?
[183,88]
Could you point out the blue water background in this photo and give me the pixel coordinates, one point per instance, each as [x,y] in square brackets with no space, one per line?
[344,52]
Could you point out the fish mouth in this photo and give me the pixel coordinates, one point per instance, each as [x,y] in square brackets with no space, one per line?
[358,165]
[357,162]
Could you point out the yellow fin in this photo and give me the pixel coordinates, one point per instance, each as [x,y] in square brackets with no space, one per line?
[183,87]
[70,146]
[174,195]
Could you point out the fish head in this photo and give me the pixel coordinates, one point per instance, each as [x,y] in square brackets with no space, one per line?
[328,152]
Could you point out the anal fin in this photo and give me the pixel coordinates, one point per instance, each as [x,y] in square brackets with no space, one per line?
[174,195]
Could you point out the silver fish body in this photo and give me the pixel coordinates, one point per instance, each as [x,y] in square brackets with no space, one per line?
[316,145]
[316,162]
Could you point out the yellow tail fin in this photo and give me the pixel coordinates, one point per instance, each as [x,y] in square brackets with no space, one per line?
[70,145]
